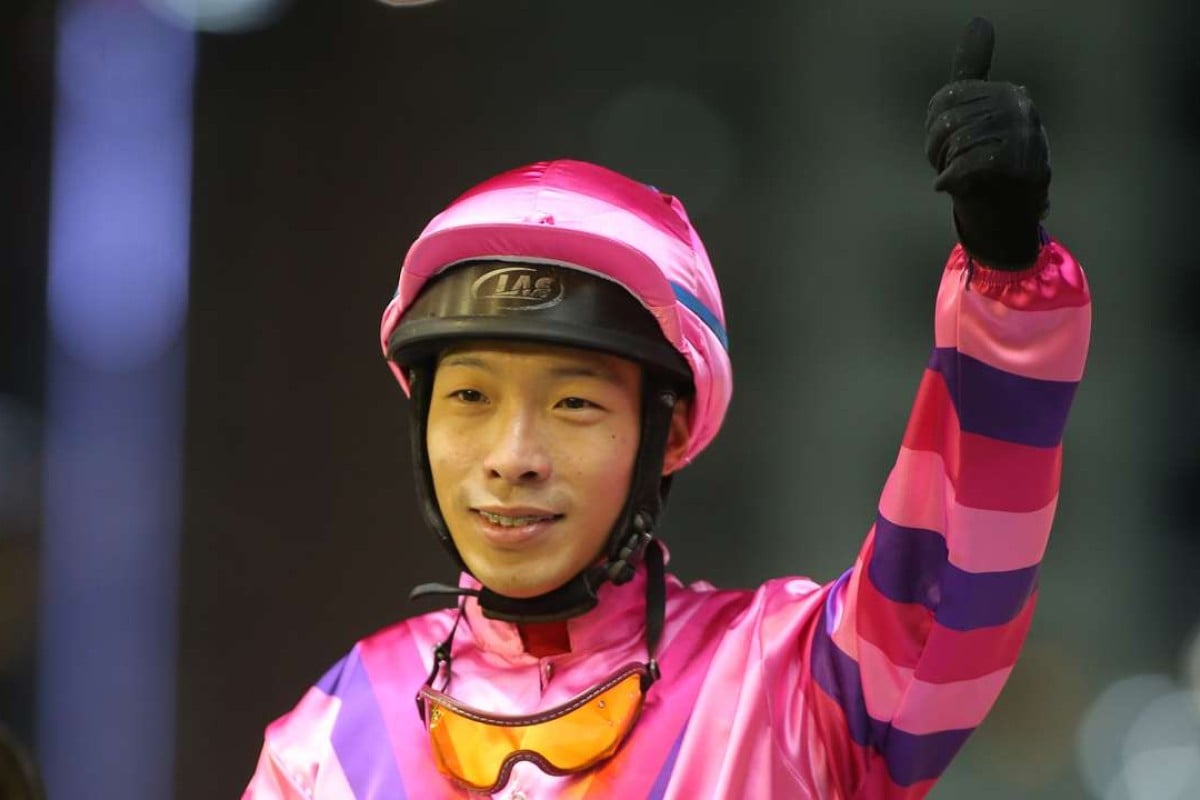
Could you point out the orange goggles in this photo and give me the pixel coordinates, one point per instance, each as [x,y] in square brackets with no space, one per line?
[477,750]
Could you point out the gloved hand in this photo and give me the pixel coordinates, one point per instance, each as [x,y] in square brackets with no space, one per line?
[987,143]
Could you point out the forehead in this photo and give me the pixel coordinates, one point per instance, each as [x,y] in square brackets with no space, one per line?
[538,358]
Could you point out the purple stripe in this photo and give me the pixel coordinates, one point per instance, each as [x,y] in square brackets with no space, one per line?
[999,404]
[911,565]
[659,790]
[915,757]
[833,601]
[360,738]
[910,757]
[328,682]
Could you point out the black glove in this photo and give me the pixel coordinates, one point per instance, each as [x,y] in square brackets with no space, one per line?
[987,143]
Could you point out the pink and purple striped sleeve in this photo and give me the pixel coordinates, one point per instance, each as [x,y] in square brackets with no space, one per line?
[919,637]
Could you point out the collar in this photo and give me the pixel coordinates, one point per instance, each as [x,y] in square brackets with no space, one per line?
[619,617]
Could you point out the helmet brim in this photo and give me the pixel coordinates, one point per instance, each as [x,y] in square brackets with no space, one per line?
[539,303]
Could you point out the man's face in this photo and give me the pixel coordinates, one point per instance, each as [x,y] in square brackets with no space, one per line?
[532,451]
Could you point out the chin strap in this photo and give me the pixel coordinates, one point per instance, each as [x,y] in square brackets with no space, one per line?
[573,598]
[656,611]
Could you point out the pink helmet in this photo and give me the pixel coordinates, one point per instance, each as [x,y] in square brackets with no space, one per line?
[584,217]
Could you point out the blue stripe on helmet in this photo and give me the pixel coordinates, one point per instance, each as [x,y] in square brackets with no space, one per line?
[693,304]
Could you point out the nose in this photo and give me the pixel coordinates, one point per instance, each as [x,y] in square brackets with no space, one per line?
[518,453]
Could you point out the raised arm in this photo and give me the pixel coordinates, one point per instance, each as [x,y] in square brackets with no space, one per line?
[919,637]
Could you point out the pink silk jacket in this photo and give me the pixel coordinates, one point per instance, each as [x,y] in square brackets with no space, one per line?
[863,688]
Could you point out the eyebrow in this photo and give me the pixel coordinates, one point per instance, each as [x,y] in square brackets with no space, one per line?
[596,371]
[457,360]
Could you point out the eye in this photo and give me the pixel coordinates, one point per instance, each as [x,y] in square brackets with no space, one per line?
[576,403]
[471,396]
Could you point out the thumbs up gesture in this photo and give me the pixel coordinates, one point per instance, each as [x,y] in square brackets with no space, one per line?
[986,141]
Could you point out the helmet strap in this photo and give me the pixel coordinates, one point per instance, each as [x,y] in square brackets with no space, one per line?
[635,526]
[421,392]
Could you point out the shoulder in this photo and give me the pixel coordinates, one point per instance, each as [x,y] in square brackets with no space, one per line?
[740,626]
[778,595]
[389,656]
[347,707]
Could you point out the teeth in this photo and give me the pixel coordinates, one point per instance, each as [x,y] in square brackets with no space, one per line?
[510,522]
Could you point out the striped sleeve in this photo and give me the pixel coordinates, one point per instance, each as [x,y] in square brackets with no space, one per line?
[919,637]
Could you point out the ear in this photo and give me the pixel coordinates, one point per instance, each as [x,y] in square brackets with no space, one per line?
[678,437]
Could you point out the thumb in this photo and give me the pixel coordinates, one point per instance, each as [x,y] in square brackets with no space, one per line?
[973,55]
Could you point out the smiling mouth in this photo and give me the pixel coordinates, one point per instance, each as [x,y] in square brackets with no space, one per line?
[505,521]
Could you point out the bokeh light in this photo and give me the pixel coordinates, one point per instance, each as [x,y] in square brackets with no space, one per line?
[116,295]
[218,16]
[1102,733]
[117,283]
[1161,754]
[1140,740]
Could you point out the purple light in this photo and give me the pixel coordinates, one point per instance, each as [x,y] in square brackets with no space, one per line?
[120,192]
[117,303]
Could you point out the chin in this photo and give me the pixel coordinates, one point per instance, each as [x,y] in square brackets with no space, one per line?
[518,585]
[520,590]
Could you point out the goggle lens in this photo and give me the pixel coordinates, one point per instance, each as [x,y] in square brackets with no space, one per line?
[478,750]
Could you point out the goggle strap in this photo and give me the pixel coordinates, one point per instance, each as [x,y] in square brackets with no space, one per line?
[656,595]
[441,654]
[656,604]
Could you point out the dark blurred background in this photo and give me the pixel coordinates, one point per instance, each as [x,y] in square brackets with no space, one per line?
[205,494]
